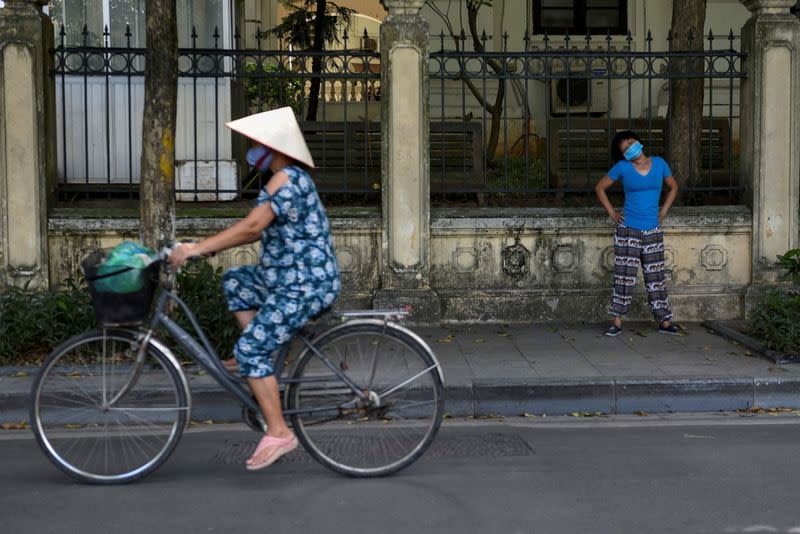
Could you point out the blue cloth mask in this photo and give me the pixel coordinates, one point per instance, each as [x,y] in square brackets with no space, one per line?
[259,157]
[634,151]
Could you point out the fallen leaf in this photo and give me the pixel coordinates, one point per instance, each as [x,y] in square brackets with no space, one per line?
[640,333]
[705,348]
[447,416]
[200,372]
[447,339]
[733,353]
[552,329]
[479,340]
[642,414]
[526,414]
[490,415]
[74,373]
[22,425]
[505,334]
[20,374]
[73,425]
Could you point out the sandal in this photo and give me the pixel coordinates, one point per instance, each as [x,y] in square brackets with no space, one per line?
[277,448]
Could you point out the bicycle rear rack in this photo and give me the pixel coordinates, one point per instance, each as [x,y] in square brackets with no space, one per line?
[382,314]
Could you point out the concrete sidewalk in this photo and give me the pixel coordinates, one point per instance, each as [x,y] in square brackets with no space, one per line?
[538,369]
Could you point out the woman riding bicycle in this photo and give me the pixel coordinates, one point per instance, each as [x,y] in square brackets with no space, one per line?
[297,276]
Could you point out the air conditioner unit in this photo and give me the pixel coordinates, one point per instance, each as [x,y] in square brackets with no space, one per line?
[578,93]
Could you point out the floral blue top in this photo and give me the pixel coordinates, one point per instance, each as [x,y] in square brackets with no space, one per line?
[297,249]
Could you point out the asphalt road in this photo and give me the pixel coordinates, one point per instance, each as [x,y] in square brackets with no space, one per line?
[706,473]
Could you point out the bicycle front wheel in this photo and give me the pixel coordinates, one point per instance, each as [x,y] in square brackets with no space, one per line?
[104,413]
[382,416]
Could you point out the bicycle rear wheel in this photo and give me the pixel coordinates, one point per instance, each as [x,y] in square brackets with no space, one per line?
[387,428]
[104,414]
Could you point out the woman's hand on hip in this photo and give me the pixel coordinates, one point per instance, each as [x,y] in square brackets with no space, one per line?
[617,217]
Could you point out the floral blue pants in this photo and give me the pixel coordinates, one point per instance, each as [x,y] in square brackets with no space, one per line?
[280,313]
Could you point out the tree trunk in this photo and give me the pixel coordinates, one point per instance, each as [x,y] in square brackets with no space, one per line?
[686,94]
[316,62]
[495,110]
[157,188]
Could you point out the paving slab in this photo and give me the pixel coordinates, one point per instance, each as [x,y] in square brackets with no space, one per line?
[514,369]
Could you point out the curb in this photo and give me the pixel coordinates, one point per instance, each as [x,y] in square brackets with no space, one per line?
[516,397]
[510,397]
[721,328]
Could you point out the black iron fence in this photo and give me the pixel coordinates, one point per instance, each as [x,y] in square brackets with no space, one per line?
[100,100]
[533,123]
[546,114]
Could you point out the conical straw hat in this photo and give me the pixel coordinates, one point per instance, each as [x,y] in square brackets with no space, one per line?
[277,129]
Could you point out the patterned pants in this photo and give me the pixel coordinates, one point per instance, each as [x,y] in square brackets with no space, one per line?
[631,249]
[280,314]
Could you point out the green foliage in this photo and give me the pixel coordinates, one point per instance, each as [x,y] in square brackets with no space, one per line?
[37,321]
[34,322]
[518,180]
[791,263]
[271,86]
[200,287]
[776,321]
[297,28]
[475,5]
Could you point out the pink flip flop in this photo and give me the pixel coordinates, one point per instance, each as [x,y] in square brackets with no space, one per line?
[278,446]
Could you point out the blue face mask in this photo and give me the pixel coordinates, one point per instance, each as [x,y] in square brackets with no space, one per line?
[634,151]
[259,157]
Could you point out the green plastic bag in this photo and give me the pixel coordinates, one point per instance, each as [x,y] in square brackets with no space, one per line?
[126,254]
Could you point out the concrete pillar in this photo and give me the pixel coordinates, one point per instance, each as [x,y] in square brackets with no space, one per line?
[770,132]
[24,144]
[405,112]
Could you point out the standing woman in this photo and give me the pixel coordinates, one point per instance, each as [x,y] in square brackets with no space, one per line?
[638,239]
[297,275]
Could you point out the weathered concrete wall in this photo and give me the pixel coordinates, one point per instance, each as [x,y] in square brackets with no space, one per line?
[534,265]
[357,242]
[556,265]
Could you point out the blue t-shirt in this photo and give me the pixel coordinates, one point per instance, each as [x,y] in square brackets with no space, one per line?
[641,192]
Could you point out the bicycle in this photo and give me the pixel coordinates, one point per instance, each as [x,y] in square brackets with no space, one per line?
[365,397]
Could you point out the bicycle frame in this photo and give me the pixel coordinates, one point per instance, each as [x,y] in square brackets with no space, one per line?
[206,357]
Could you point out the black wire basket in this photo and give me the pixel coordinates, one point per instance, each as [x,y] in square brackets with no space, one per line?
[112,306]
